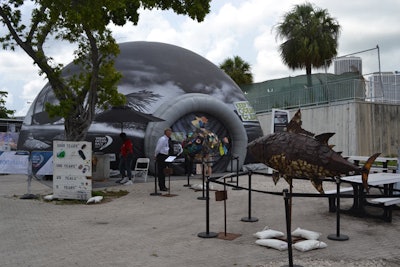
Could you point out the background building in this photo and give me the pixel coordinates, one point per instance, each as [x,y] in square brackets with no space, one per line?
[347,64]
[384,87]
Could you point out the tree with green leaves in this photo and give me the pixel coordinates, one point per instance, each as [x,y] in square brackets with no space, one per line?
[84,24]
[310,37]
[238,69]
[4,112]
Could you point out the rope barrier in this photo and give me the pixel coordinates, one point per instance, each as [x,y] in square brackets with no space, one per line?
[317,195]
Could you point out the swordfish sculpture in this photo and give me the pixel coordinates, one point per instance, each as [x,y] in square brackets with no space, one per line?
[297,153]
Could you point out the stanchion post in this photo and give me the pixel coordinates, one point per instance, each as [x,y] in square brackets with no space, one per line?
[207,233]
[224,206]
[189,172]
[188,183]
[232,158]
[249,218]
[203,175]
[237,174]
[338,236]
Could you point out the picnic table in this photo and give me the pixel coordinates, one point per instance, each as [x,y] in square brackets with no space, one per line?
[386,201]
[381,164]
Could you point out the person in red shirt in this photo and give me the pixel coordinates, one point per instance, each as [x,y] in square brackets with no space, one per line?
[125,160]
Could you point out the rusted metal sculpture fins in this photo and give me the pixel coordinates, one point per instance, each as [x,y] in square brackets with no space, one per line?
[365,170]
[317,183]
[295,123]
[275,177]
[324,138]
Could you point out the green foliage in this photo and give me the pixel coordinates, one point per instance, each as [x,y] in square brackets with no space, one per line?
[238,70]
[84,24]
[4,112]
[310,37]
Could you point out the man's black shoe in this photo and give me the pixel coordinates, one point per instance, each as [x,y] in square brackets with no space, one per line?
[164,189]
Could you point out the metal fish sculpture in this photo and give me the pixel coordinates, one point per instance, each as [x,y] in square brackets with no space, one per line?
[297,153]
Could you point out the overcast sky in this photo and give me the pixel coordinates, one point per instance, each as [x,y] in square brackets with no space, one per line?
[233,27]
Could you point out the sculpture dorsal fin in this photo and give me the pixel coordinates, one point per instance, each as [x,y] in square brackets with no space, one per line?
[323,138]
[294,125]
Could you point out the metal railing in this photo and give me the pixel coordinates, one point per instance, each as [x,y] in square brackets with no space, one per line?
[264,101]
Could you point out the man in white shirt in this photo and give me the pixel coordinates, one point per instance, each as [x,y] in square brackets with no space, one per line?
[161,153]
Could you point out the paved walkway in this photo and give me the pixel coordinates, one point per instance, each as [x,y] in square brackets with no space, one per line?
[143,230]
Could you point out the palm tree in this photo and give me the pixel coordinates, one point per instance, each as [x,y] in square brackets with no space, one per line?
[310,38]
[238,69]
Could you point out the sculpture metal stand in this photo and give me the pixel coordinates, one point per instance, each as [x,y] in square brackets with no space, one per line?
[338,236]
[249,218]
[207,233]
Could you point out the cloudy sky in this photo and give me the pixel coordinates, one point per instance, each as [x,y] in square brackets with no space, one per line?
[233,27]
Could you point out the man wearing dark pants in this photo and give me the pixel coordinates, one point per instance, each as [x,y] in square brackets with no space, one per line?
[161,154]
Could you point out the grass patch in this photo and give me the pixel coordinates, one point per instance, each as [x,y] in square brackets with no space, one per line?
[68,201]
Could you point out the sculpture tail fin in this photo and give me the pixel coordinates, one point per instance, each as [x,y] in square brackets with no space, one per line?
[365,170]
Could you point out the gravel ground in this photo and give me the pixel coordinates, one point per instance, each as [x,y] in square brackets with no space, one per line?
[143,230]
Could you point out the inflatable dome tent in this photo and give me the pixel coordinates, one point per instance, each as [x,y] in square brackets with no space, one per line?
[168,82]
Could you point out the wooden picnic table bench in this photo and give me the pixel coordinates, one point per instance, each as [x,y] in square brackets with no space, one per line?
[381,164]
[379,180]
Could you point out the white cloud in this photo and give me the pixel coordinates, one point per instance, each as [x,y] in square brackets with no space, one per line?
[16,65]
[234,27]
[31,89]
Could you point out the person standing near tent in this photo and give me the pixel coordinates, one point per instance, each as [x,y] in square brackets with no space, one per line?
[161,153]
[125,160]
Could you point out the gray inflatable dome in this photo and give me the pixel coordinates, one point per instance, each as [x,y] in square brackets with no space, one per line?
[166,81]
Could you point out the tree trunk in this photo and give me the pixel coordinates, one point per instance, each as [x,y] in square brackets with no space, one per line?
[309,83]
[78,122]
[308,72]
[77,126]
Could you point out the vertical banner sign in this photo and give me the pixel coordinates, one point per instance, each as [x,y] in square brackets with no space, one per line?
[72,164]
[280,119]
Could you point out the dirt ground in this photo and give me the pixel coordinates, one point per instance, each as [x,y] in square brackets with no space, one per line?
[141,229]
